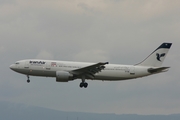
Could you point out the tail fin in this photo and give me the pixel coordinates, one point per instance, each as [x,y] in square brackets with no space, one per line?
[157,57]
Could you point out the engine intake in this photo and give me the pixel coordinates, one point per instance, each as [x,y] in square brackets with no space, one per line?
[63,76]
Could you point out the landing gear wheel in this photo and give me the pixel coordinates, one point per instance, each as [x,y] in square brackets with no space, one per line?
[28,81]
[85,85]
[81,85]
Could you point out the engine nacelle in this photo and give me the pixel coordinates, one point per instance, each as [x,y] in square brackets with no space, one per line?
[63,76]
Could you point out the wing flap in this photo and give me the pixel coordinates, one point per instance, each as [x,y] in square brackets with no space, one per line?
[89,71]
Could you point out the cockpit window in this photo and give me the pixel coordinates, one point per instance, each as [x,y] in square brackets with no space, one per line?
[17,63]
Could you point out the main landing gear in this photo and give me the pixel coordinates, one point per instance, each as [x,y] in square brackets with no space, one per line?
[83,83]
[28,80]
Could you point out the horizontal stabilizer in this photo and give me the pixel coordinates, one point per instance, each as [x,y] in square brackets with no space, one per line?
[158,70]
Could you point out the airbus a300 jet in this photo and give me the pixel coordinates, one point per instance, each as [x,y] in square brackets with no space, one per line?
[65,71]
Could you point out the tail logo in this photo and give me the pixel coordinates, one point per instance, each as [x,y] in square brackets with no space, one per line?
[159,56]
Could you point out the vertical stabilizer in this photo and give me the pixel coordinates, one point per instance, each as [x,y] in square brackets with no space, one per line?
[157,57]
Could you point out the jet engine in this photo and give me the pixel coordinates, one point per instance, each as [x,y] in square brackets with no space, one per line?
[63,76]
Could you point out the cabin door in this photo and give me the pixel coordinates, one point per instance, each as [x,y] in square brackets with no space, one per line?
[48,66]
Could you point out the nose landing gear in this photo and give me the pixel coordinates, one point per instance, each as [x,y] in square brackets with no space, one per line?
[28,80]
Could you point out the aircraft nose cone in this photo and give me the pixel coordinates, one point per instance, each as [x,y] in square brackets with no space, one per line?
[12,67]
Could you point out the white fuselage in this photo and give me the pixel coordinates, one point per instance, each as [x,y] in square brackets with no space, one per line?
[111,72]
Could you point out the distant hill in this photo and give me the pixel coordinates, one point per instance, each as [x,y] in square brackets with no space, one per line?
[12,111]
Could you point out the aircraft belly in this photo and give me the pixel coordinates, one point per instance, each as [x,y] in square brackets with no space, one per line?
[113,76]
[110,78]
[37,72]
[43,73]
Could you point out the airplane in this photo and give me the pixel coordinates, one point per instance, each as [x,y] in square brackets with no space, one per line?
[65,71]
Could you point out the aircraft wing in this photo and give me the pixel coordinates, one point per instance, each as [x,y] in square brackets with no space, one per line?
[89,71]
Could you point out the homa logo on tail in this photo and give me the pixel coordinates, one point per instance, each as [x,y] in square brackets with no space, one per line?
[159,56]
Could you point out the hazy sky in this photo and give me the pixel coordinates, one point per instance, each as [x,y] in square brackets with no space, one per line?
[117,31]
